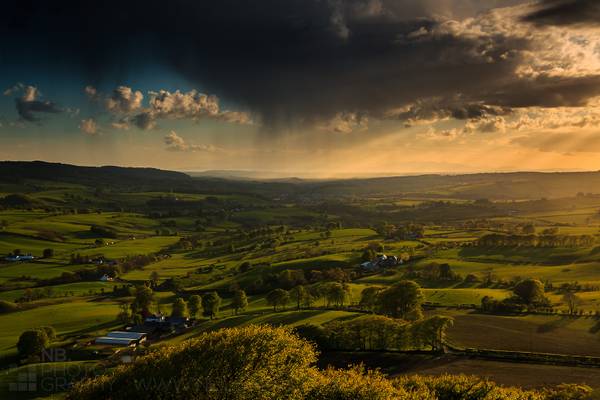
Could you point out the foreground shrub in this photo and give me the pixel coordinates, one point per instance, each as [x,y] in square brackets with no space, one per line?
[568,392]
[255,362]
[451,387]
[358,384]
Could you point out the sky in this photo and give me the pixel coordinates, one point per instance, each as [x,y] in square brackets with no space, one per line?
[310,88]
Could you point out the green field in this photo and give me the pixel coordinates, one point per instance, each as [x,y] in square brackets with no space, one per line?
[78,315]
[537,333]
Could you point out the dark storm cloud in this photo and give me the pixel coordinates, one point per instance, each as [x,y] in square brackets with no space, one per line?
[28,103]
[565,12]
[144,121]
[547,92]
[28,109]
[477,111]
[433,110]
[298,60]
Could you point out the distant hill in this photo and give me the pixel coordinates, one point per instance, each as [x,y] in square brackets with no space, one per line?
[494,186]
[499,186]
[17,171]
[242,175]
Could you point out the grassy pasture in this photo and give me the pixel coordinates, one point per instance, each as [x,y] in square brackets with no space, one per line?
[537,333]
[37,270]
[66,229]
[75,315]
[123,223]
[77,288]
[178,265]
[132,247]
[13,216]
[288,318]
[571,216]
[454,297]
[557,274]
[535,255]
[35,246]
[534,376]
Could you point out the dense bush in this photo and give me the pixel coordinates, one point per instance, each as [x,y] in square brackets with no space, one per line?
[103,231]
[7,307]
[241,363]
[18,201]
[357,384]
[32,342]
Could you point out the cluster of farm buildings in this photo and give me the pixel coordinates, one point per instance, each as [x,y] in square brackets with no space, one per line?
[154,326]
[380,262]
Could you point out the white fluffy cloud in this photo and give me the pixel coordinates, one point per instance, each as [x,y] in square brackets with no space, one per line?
[124,100]
[89,126]
[175,142]
[128,106]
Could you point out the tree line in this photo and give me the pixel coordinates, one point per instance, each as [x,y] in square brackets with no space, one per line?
[378,332]
[532,240]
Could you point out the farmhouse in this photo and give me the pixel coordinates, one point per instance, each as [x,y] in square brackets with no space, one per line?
[154,319]
[368,266]
[112,341]
[139,336]
[122,338]
[26,257]
[106,278]
[178,322]
[381,261]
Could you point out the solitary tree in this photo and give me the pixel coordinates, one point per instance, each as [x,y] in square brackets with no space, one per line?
[335,293]
[211,302]
[528,229]
[298,294]
[32,342]
[368,297]
[530,291]
[368,254]
[572,301]
[154,278]
[278,297]
[402,300]
[124,316]
[434,330]
[239,301]
[179,308]
[194,305]
[143,299]
[48,253]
